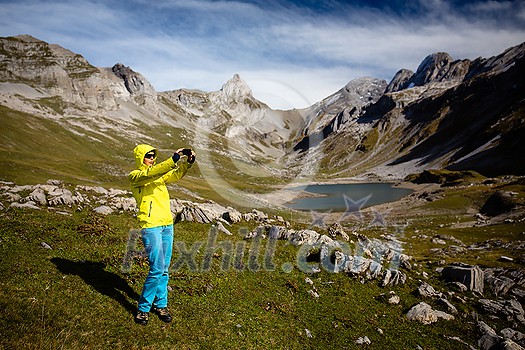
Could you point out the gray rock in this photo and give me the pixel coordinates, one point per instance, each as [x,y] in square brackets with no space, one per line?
[400,81]
[55,182]
[60,196]
[470,276]
[393,277]
[279,232]
[424,313]
[308,333]
[27,205]
[337,230]
[96,189]
[499,285]
[508,309]
[301,237]
[124,203]
[511,334]
[510,345]
[223,229]
[104,210]
[427,291]
[458,286]
[363,341]
[232,215]
[436,240]
[45,245]
[13,197]
[490,340]
[38,196]
[394,300]
[450,308]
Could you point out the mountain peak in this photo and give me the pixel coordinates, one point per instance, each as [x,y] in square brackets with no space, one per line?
[438,67]
[236,89]
[135,83]
[28,38]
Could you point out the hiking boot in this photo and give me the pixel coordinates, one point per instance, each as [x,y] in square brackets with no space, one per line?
[142,318]
[163,314]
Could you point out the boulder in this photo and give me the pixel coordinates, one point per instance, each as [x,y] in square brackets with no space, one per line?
[308,237]
[508,309]
[470,276]
[38,196]
[427,291]
[337,230]
[490,340]
[223,229]
[27,205]
[61,196]
[499,202]
[103,209]
[424,313]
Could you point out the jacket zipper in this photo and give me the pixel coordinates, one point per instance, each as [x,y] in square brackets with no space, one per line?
[150,204]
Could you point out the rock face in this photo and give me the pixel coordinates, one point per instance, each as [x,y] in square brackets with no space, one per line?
[235,90]
[401,81]
[134,82]
[440,67]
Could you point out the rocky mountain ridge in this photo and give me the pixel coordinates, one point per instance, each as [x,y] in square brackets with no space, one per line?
[459,114]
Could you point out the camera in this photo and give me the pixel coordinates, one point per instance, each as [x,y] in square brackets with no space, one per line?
[186,152]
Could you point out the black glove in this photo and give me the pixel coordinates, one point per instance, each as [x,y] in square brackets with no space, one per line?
[175,157]
[189,153]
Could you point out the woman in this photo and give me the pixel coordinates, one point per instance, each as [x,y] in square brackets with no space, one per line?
[148,185]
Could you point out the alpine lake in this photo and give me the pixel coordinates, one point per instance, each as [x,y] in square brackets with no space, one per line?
[338,197]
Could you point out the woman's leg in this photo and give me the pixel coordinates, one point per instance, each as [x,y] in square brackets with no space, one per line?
[152,239]
[161,300]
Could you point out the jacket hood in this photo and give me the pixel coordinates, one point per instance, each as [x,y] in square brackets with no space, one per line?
[140,151]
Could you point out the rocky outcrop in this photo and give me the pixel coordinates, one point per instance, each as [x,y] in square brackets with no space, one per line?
[439,67]
[370,259]
[55,70]
[57,194]
[135,83]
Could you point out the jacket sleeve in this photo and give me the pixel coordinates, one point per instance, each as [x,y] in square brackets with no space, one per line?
[178,172]
[140,177]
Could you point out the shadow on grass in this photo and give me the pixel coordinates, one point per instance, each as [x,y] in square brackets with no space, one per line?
[104,282]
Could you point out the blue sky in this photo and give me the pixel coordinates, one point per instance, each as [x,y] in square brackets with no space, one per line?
[291,53]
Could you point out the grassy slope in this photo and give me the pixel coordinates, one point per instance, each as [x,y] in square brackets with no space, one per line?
[34,150]
[75,296]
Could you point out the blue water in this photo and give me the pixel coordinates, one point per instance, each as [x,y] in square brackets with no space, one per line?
[333,196]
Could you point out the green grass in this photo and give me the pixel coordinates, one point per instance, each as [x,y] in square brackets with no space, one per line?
[75,296]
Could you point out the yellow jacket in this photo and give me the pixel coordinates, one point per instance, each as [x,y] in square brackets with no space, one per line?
[148,185]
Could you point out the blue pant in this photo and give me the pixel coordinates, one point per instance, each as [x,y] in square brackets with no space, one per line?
[158,242]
